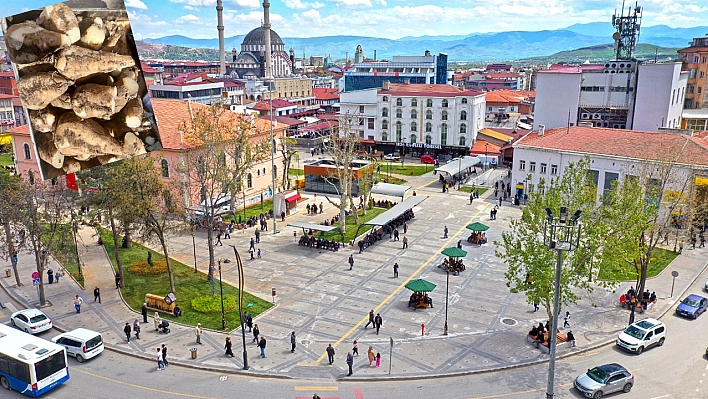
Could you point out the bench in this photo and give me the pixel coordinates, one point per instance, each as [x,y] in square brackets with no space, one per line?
[561,342]
[638,308]
[159,303]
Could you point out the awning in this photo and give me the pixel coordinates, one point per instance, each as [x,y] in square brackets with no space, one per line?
[459,165]
[292,198]
[312,226]
[420,285]
[396,211]
[393,190]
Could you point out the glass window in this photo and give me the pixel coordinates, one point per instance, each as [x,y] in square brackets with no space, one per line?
[463,128]
[554,169]
[443,134]
[361,109]
[429,103]
[384,112]
[384,124]
[522,165]
[414,127]
[414,102]
[399,102]
[428,127]
[543,168]
[414,114]
[370,123]
[428,114]
[532,167]
[385,98]
[28,154]
[428,139]
[462,140]
[384,136]
[165,168]
[463,115]
[399,113]
[249,181]
[399,129]
[444,103]
[412,138]
[48,366]
[444,115]
[464,101]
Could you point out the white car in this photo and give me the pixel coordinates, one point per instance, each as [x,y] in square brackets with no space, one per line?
[641,335]
[31,321]
[392,157]
[81,343]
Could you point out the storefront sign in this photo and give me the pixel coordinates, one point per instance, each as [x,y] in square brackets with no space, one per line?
[420,145]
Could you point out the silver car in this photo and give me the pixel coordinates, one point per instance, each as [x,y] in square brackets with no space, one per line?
[604,379]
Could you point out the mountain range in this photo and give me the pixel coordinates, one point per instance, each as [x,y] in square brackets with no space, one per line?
[498,46]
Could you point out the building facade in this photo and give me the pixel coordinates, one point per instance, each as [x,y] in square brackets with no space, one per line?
[427,69]
[250,62]
[695,61]
[7,112]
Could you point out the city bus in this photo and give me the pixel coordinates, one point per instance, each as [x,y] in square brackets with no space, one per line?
[29,364]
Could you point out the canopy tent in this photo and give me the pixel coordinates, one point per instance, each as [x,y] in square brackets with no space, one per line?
[393,213]
[458,165]
[477,226]
[454,252]
[420,285]
[315,227]
[393,190]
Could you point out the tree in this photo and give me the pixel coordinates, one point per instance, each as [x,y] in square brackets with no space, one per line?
[12,191]
[288,153]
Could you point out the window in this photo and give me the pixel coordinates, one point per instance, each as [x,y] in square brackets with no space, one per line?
[554,169]
[462,140]
[428,114]
[384,124]
[399,102]
[165,168]
[361,109]
[704,59]
[428,139]
[464,101]
[414,102]
[399,128]
[384,136]
[249,181]
[384,112]
[444,103]
[444,115]
[385,98]
[399,113]
[429,103]
[522,165]
[412,138]
[428,127]
[443,134]
[370,123]
[463,128]
[543,168]
[28,154]
[463,115]
[258,172]
[414,114]
[702,74]
[532,167]
[414,127]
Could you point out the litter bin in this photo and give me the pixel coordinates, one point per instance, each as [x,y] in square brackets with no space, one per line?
[194,352]
[8,273]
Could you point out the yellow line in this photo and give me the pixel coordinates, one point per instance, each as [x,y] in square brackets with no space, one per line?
[142,387]
[403,284]
[501,395]
[315,389]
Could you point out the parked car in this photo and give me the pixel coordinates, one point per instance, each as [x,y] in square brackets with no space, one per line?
[392,157]
[604,379]
[705,288]
[692,306]
[427,159]
[31,321]
[81,343]
[641,335]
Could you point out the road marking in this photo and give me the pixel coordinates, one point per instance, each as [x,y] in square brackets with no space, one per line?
[662,396]
[314,389]
[11,307]
[403,284]
[357,393]
[321,397]
[502,395]
[223,378]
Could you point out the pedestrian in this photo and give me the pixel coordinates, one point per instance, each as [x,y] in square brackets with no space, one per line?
[127,331]
[355,348]
[164,355]
[371,319]
[570,337]
[218,240]
[500,201]
[251,251]
[330,354]
[350,362]
[371,355]
[256,333]
[293,342]
[77,303]
[566,320]
[282,216]
[198,333]
[144,312]
[351,261]
[136,328]
[262,345]
[249,322]
[50,275]
[459,244]
[316,396]
[378,359]
[259,253]
[97,294]
[118,278]
[227,346]
[253,244]
[405,227]
[258,236]
[58,274]
[321,207]
[378,321]
[395,235]
[703,241]
[471,198]
[445,231]
[535,305]
[405,242]
[227,234]
[395,270]
[157,320]
[160,363]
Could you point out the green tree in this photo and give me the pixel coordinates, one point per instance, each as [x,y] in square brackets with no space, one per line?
[341,145]
[12,192]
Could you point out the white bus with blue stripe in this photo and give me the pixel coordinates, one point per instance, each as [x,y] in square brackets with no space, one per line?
[29,364]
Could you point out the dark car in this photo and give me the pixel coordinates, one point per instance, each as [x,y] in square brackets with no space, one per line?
[604,379]
[692,306]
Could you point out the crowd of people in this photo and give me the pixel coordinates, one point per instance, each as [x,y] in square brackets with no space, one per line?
[382,203]
[418,299]
[641,302]
[541,334]
[390,228]
[477,237]
[311,241]
[453,265]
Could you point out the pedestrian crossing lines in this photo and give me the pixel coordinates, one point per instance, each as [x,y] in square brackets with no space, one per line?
[317,390]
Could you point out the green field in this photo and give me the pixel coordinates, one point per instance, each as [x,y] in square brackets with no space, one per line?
[406,170]
[659,260]
[188,285]
[351,227]
[296,172]
[469,189]
[63,249]
[6,160]
[384,178]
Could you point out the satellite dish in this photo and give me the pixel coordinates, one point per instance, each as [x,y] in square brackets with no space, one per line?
[616,36]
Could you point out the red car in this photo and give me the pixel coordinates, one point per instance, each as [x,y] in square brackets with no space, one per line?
[427,159]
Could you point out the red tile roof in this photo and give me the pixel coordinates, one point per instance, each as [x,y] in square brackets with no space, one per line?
[148,69]
[285,120]
[277,103]
[325,94]
[631,144]
[484,147]
[428,90]
[16,102]
[19,130]
[320,126]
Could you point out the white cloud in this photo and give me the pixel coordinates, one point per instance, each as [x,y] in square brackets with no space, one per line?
[352,3]
[247,4]
[196,3]
[191,8]
[135,4]
[295,4]
[187,19]
[312,15]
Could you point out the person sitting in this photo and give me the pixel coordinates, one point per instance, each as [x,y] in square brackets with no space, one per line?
[541,338]
[643,305]
[534,332]
[652,297]
[570,337]
[623,300]
[429,301]
[177,311]
[100,240]
[646,295]
[411,300]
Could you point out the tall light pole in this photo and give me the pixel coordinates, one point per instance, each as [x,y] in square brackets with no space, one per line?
[239,266]
[559,234]
[486,153]
[221,293]
[447,292]
[459,172]
[403,152]
[194,249]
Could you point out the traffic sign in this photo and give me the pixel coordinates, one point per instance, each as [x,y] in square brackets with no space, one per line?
[35,275]
[35,282]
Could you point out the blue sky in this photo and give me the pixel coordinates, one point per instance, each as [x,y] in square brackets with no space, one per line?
[382,18]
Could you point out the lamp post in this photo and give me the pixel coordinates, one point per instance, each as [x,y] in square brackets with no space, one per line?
[403,152]
[459,172]
[194,249]
[239,266]
[447,292]
[559,234]
[486,153]
[221,293]
[272,150]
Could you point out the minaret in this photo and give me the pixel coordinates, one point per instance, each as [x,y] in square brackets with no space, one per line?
[220,28]
[268,50]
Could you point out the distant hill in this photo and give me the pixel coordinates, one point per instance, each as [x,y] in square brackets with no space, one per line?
[600,53]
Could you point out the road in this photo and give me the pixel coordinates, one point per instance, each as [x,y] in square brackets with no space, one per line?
[676,370]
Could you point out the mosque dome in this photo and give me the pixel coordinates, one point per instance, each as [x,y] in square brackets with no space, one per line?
[257,37]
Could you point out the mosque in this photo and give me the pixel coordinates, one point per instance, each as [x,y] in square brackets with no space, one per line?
[250,62]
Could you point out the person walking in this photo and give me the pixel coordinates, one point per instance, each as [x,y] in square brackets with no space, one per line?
[160,363]
[50,275]
[566,320]
[58,274]
[227,234]
[218,240]
[378,321]
[256,333]
[136,328]
[355,348]
[535,305]
[371,319]
[445,231]
[262,345]
[127,331]
[405,242]
[293,342]
[351,261]
[117,279]
[350,363]
[77,303]
[97,294]
[157,320]
[378,359]
[321,208]
[253,244]
[471,198]
[259,253]
[249,322]
[330,354]
[198,333]
[258,236]
[405,227]
[395,235]
[371,355]
[227,346]
[395,270]
[251,251]
[144,312]
[164,355]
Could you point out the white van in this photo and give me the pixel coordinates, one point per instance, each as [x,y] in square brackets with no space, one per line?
[641,335]
[81,343]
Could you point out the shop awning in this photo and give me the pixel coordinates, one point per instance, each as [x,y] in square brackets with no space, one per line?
[312,226]
[393,190]
[292,198]
[458,165]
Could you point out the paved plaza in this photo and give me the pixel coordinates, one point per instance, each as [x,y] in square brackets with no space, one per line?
[325,303]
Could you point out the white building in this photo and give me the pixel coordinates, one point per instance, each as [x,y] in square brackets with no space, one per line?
[616,94]
[428,117]
[199,92]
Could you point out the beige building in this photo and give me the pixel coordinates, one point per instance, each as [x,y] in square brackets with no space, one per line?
[7,113]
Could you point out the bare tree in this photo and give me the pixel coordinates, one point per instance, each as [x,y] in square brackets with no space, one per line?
[288,153]
[12,191]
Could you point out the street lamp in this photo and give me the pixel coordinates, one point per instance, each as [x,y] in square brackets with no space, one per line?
[403,152]
[272,149]
[239,266]
[447,292]
[486,153]
[194,248]
[221,293]
[459,172]
[559,234]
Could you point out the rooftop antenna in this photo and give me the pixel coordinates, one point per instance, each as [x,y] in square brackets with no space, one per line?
[627,33]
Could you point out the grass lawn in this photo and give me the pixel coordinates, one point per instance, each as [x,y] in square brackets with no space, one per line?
[351,227]
[6,160]
[469,189]
[253,210]
[407,170]
[188,285]
[659,260]
[296,172]
[63,249]
[382,177]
